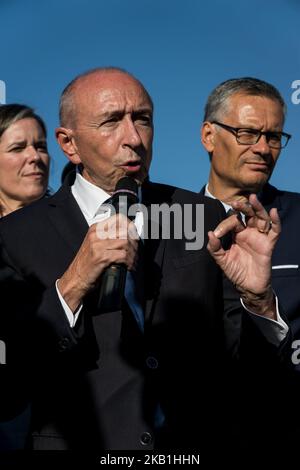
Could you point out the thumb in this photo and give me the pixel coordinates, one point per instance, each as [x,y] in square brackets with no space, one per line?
[214,246]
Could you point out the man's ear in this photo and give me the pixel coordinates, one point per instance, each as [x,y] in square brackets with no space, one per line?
[208,136]
[67,143]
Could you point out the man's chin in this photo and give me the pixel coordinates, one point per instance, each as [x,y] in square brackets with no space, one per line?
[255,186]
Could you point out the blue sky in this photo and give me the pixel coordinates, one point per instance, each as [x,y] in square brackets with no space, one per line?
[179,49]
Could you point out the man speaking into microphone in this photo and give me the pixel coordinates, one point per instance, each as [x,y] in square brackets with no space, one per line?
[138,373]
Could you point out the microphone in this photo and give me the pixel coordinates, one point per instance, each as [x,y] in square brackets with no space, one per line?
[114,277]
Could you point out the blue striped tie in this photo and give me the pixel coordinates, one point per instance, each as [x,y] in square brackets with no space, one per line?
[134,291]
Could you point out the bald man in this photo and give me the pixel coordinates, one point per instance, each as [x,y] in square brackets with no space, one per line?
[106,379]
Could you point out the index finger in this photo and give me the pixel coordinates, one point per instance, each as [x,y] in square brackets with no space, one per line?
[256,214]
[232,223]
[252,208]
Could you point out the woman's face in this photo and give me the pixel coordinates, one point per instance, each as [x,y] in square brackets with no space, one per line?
[24,164]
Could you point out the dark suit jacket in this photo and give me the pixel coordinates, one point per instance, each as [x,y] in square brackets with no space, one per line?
[14,409]
[97,386]
[272,389]
[286,282]
[286,252]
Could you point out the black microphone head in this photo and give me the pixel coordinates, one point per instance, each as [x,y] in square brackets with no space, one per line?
[126,187]
[126,183]
[125,195]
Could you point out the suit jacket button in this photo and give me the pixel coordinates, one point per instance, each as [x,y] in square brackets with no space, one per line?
[146,438]
[152,362]
[63,344]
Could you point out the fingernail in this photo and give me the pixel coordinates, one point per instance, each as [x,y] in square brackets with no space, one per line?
[238,214]
[218,232]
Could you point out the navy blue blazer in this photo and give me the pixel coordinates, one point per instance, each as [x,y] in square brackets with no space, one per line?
[286,256]
[273,391]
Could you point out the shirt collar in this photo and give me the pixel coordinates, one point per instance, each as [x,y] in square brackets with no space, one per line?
[88,196]
[207,193]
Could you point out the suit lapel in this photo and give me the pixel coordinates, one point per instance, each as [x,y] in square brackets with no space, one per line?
[153,273]
[154,254]
[65,215]
[270,197]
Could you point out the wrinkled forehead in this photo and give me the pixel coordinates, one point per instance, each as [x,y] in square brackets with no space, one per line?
[248,108]
[110,91]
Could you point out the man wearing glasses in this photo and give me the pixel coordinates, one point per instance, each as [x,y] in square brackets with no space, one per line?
[243,135]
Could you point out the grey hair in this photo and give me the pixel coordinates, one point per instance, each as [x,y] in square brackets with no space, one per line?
[67,111]
[217,103]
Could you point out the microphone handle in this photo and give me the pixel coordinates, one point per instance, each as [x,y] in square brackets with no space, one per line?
[112,288]
[112,283]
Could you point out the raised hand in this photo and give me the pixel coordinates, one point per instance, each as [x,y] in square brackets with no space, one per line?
[247,263]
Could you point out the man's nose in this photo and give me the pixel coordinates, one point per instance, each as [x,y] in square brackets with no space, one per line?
[262,146]
[131,134]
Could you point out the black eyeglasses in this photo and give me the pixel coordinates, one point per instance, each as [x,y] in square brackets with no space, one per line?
[244,136]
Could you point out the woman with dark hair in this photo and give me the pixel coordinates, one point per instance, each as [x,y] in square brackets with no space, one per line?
[24,170]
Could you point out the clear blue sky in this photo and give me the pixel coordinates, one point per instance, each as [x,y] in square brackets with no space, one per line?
[179,49]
